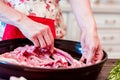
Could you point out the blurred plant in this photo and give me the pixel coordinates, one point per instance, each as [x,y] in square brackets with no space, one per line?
[115,72]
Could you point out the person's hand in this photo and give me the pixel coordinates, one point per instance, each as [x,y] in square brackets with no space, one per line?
[91,48]
[38,33]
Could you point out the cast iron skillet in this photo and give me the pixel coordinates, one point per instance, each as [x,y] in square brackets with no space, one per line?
[72,47]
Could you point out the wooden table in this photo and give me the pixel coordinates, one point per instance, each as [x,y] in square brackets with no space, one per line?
[110,63]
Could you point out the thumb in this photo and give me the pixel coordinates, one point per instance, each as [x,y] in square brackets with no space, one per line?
[90,56]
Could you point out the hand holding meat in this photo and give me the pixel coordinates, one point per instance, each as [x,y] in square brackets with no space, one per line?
[92,52]
[38,33]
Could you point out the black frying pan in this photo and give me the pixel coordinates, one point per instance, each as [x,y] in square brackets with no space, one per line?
[72,47]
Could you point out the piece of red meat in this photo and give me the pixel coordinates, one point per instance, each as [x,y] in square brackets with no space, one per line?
[35,57]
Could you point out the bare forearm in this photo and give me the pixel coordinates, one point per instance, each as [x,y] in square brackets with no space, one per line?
[83,14]
[4,19]
[9,15]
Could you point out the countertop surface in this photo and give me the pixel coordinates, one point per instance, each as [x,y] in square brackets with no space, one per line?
[110,63]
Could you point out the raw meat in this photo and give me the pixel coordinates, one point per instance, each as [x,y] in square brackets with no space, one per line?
[31,56]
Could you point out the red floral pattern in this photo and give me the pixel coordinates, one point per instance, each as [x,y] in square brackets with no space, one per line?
[22,0]
[41,8]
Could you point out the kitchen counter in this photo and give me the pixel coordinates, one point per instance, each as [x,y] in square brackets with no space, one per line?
[110,63]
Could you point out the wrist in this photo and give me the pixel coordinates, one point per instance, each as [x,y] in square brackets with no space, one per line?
[89,29]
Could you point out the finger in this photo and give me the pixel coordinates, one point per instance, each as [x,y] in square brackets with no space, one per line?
[52,40]
[90,57]
[51,35]
[35,41]
[84,55]
[51,48]
[49,42]
[47,39]
[99,56]
[41,41]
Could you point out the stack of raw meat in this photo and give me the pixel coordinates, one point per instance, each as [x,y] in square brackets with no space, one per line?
[31,56]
